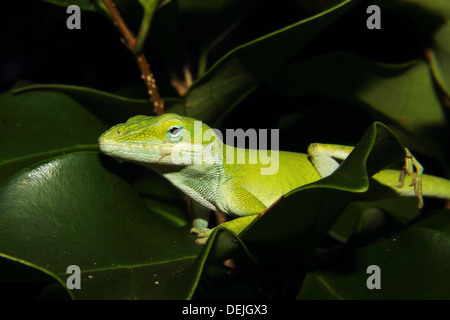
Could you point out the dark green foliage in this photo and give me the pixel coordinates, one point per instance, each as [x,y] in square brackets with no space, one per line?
[310,68]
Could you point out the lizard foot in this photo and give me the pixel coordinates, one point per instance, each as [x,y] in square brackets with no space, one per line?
[413,169]
[202,235]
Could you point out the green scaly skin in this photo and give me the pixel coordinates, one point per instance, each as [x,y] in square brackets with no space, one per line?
[215,184]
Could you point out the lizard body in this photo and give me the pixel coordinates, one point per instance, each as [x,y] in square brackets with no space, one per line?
[193,158]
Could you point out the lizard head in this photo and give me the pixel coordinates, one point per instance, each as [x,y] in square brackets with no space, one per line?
[168,139]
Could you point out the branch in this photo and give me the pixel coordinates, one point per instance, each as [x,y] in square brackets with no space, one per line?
[130,42]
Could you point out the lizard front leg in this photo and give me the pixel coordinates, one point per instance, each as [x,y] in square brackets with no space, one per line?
[414,169]
[200,219]
[324,158]
[233,200]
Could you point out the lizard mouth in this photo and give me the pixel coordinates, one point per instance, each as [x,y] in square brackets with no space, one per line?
[140,152]
[149,152]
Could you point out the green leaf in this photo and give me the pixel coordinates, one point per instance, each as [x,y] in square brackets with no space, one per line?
[295,225]
[83,4]
[159,194]
[72,210]
[396,92]
[242,69]
[364,220]
[432,19]
[39,125]
[109,108]
[414,265]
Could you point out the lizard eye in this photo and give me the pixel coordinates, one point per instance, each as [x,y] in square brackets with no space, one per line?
[174,133]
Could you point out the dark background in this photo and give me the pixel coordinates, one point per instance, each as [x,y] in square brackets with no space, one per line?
[36,46]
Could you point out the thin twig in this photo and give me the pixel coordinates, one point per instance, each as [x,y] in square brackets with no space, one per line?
[181,86]
[130,42]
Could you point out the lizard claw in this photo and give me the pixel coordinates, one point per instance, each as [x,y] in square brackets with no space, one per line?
[194,230]
[201,241]
[413,169]
[202,235]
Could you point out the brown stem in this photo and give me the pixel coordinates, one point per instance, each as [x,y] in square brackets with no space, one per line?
[149,80]
[130,41]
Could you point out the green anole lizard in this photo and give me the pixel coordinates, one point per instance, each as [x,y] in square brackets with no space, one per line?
[195,161]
